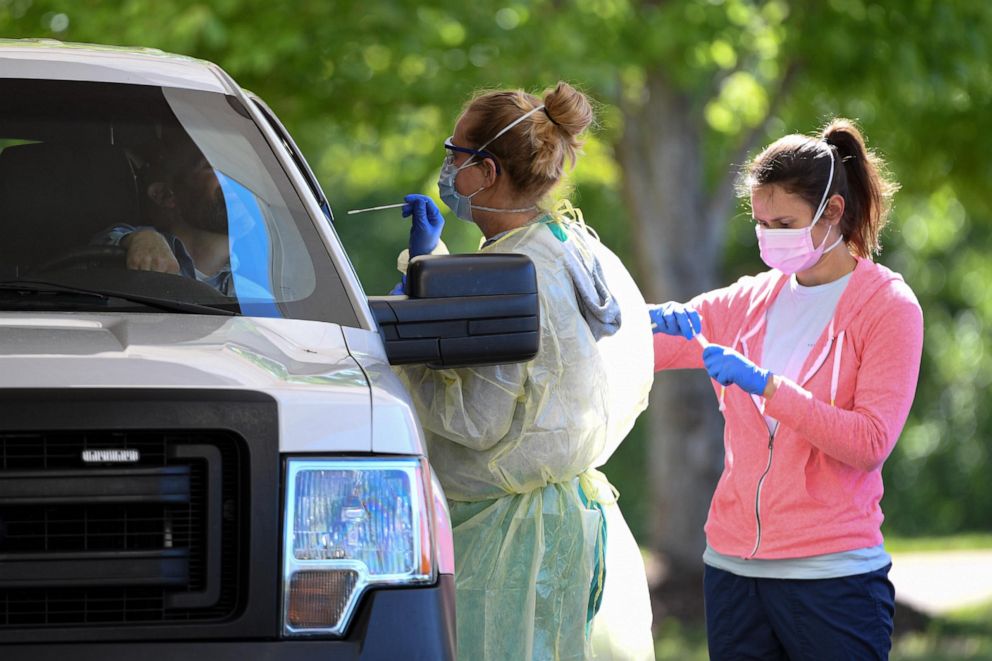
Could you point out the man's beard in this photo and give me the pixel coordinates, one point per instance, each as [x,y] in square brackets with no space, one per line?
[212,217]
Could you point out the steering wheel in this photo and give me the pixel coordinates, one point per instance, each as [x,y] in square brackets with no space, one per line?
[99,265]
[85,257]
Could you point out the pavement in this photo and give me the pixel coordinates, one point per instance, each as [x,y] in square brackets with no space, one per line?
[942,581]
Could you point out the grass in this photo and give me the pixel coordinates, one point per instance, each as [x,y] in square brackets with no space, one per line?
[677,642]
[963,542]
[963,634]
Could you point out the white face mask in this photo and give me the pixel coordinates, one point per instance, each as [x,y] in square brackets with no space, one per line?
[792,250]
[462,204]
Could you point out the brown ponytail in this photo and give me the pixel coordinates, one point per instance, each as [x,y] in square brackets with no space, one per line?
[801,165]
[533,153]
[868,191]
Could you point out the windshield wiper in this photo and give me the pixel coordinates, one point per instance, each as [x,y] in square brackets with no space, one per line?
[169,305]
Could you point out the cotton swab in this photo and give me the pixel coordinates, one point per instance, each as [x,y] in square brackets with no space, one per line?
[385,206]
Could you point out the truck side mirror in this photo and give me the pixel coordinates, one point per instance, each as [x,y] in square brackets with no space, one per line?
[462,310]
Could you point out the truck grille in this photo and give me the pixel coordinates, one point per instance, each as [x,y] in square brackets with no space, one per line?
[148,535]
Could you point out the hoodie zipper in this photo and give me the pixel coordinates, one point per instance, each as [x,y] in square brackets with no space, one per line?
[771,436]
[831,338]
[757,493]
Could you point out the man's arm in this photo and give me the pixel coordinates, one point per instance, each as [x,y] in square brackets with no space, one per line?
[147,249]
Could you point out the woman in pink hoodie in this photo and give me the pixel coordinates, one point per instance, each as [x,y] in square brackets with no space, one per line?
[815,365]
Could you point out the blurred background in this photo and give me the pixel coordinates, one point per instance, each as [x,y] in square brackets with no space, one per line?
[686,91]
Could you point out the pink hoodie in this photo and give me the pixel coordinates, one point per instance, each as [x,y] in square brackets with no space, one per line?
[816,488]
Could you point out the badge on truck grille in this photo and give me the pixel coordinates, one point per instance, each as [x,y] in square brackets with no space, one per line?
[111,456]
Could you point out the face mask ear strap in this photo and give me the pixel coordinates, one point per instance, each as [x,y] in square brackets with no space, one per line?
[514,123]
[835,243]
[826,193]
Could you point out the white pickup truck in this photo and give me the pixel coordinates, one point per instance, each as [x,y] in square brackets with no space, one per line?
[204,452]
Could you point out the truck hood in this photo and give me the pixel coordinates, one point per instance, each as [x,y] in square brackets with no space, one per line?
[323,395]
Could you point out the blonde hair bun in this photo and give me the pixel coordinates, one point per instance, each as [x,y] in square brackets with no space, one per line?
[567,114]
[534,152]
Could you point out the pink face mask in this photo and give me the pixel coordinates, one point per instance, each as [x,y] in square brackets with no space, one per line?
[792,250]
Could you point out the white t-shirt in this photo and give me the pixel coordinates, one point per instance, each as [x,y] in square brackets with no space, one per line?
[796,320]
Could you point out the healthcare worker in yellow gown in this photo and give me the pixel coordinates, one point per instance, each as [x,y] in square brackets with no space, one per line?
[515,446]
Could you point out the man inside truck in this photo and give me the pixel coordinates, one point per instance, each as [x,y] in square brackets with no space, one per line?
[194,213]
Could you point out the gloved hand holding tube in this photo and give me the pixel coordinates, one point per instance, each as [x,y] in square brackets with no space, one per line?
[426,226]
[726,366]
[673,318]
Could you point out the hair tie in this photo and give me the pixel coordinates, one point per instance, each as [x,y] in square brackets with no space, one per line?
[550,117]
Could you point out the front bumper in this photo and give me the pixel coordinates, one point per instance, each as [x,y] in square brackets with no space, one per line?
[409,623]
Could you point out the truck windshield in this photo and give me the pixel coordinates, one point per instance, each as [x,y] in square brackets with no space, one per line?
[157,194]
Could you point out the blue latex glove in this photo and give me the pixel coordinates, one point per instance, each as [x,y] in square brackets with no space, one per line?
[425,230]
[726,366]
[675,319]
[399,289]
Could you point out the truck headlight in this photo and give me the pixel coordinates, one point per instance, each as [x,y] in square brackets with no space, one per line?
[351,524]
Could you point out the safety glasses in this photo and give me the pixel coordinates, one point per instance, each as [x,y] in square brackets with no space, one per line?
[452,149]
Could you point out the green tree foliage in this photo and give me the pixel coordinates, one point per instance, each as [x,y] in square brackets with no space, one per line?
[686,90]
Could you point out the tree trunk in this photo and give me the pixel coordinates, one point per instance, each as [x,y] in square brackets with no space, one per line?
[660,154]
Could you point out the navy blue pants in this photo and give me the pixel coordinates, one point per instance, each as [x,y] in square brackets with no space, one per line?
[772,618]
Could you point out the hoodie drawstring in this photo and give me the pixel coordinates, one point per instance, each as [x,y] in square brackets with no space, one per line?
[836,375]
